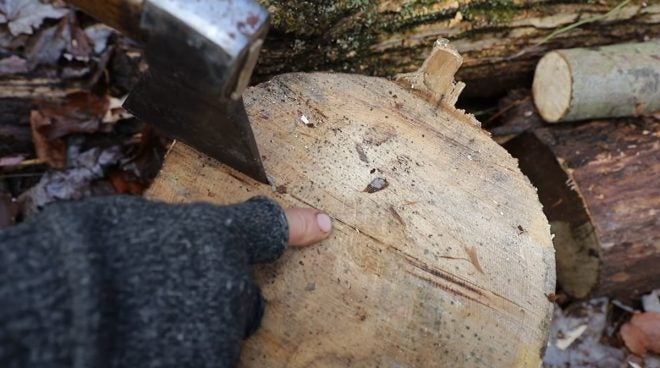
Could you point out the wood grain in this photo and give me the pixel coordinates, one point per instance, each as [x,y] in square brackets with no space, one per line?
[397,284]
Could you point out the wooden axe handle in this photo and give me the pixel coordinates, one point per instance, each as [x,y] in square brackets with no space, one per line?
[123,15]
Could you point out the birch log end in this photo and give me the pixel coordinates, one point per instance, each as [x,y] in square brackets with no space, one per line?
[600,82]
[447,265]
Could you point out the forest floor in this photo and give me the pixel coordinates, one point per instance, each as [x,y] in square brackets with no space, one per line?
[64,136]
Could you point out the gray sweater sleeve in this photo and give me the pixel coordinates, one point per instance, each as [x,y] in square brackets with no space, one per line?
[124,282]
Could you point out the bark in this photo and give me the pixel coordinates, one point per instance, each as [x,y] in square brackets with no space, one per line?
[496,38]
[441,255]
[606,82]
[600,189]
[15,135]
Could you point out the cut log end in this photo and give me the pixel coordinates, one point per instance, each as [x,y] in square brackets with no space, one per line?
[553,87]
[602,82]
[434,267]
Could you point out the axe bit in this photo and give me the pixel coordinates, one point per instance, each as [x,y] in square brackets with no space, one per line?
[200,55]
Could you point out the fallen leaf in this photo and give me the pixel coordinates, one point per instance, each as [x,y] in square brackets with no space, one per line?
[13,65]
[115,111]
[47,46]
[642,333]
[74,183]
[98,35]
[80,112]
[126,183]
[22,16]
[66,38]
[78,46]
[11,160]
[51,151]
[590,346]
[570,337]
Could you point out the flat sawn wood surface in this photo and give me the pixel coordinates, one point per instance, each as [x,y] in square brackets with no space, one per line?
[448,266]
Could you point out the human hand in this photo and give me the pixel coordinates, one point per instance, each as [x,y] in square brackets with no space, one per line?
[307,226]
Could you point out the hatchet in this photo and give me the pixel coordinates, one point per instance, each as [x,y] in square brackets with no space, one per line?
[201,55]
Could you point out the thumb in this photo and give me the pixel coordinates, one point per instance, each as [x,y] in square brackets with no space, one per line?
[307,226]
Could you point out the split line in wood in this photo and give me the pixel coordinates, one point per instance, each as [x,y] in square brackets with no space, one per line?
[447,265]
[600,82]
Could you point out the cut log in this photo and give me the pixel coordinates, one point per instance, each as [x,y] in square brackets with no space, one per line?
[497,39]
[600,189]
[601,82]
[447,265]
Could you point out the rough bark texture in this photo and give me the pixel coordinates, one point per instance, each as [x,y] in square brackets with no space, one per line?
[15,134]
[445,262]
[496,38]
[600,189]
[603,82]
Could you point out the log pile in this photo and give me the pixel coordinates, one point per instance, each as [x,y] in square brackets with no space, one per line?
[500,41]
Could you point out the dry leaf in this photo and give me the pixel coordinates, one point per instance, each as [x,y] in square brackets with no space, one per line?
[51,151]
[642,333]
[570,337]
[126,183]
[63,39]
[99,34]
[590,346]
[13,65]
[23,16]
[10,161]
[81,112]
[72,184]
[78,46]
[46,47]
[115,111]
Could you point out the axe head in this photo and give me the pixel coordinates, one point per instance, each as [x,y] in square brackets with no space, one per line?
[201,55]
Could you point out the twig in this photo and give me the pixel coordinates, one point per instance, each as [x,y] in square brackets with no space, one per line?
[31,162]
[569,27]
[27,175]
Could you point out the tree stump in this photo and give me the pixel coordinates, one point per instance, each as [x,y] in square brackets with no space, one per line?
[441,255]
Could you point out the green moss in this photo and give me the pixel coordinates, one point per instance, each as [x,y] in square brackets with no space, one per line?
[491,12]
[312,17]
